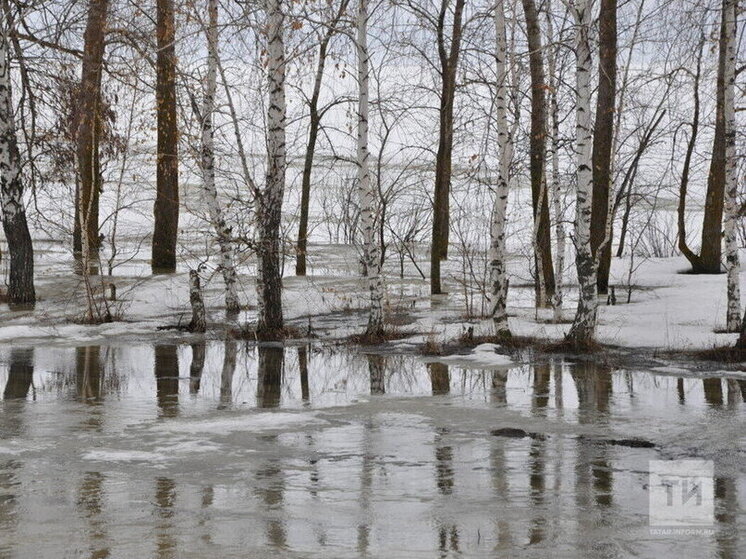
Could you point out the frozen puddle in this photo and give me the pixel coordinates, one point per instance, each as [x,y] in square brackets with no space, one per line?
[172,451]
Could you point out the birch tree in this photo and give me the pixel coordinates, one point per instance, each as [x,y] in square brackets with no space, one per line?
[732,265]
[371,250]
[498,276]
[217,218]
[269,211]
[584,325]
[21,281]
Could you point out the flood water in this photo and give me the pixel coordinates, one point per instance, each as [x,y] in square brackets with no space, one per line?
[228,450]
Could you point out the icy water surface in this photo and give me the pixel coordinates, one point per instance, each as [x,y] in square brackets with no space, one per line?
[232,451]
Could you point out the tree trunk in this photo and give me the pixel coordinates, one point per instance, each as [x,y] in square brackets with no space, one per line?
[88,129]
[741,343]
[584,325]
[269,280]
[732,264]
[199,319]
[710,255]
[166,209]
[313,133]
[21,291]
[556,189]
[223,232]
[497,256]
[371,249]
[537,146]
[603,135]
[448,66]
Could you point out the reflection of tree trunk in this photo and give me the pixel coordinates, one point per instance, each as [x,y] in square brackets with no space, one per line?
[303,366]
[713,389]
[593,473]
[499,394]
[197,366]
[680,391]
[90,504]
[166,209]
[726,515]
[445,481]
[542,377]
[20,373]
[167,379]
[88,371]
[439,378]
[376,368]
[165,499]
[537,480]
[229,368]
[271,490]
[269,376]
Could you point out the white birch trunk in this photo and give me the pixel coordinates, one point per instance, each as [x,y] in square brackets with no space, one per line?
[732,264]
[217,219]
[21,274]
[269,211]
[584,325]
[556,189]
[497,256]
[367,193]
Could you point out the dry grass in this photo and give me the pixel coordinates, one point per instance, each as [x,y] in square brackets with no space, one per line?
[248,332]
[723,354]
[387,335]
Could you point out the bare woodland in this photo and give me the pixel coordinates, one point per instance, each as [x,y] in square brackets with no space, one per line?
[453,140]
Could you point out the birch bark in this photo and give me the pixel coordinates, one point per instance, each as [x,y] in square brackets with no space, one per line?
[732,264]
[217,218]
[498,276]
[21,277]
[584,325]
[269,281]
[367,193]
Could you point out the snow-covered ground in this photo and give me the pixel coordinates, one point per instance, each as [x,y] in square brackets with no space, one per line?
[668,309]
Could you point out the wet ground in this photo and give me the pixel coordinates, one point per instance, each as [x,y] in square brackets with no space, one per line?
[227,450]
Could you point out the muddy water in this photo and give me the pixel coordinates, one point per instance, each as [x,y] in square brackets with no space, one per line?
[225,450]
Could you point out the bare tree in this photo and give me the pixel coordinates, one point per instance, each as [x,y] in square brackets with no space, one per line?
[448,55]
[316,113]
[269,211]
[21,292]
[497,255]
[166,209]
[88,129]
[732,265]
[583,327]
[539,197]
[708,261]
[603,135]
[371,249]
[222,230]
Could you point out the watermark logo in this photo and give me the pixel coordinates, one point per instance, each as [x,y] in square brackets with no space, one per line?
[682,496]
